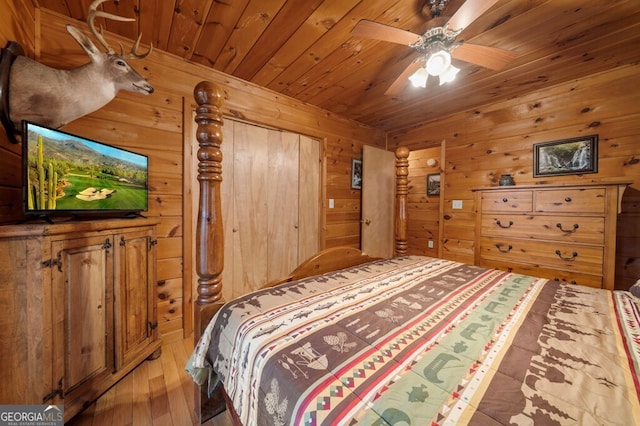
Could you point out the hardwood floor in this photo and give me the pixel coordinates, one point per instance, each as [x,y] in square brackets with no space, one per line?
[157,392]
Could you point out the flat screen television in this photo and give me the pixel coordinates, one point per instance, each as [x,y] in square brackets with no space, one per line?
[65,173]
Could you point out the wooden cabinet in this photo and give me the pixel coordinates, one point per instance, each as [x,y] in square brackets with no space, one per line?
[567,233]
[81,314]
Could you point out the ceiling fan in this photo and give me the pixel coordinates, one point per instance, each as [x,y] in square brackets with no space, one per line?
[437,46]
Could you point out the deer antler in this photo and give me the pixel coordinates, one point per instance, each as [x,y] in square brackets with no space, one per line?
[97,33]
[132,54]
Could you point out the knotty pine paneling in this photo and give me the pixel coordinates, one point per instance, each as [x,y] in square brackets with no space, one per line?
[154,125]
[17,24]
[483,143]
[628,258]
[10,167]
[170,227]
[342,222]
[169,289]
[423,212]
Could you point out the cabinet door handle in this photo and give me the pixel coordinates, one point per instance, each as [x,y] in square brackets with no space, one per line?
[568,259]
[568,231]
[567,199]
[502,249]
[504,200]
[503,226]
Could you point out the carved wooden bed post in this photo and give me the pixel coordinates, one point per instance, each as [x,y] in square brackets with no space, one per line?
[209,232]
[402,189]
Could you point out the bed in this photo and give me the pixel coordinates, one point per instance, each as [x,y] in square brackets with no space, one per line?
[411,340]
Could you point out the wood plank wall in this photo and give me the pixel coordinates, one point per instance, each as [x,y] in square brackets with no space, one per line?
[153,125]
[483,143]
[423,211]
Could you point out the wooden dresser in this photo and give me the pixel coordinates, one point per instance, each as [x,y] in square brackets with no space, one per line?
[78,308]
[566,233]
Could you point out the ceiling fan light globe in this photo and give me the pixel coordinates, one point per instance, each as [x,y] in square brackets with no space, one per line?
[419,78]
[449,74]
[438,62]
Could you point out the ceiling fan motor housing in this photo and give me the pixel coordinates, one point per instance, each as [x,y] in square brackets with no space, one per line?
[435,40]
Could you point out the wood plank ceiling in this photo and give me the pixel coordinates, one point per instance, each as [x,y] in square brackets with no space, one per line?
[304,48]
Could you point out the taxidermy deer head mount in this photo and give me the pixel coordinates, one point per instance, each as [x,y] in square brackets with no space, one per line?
[54,97]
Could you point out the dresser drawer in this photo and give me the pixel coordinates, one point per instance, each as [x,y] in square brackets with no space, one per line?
[556,255]
[507,201]
[590,200]
[552,274]
[588,230]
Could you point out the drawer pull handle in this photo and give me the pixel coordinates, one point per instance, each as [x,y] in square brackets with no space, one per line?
[567,199]
[568,231]
[504,200]
[570,282]
[568,259]
[502,249]
[503,226]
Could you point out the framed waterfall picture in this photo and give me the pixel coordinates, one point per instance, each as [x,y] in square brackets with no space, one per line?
[566,157]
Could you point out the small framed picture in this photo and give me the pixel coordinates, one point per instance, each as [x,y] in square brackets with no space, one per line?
[356,174]
[433,184]
[566,157]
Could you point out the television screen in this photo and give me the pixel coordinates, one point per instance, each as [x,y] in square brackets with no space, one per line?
[67,173]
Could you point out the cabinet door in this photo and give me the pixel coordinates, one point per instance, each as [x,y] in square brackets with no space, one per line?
[83,311]
[135,294]
[25,323]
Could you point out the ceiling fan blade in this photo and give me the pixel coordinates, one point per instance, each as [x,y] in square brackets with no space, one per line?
[377,31]
[469,12]
[485,56]
[402,80]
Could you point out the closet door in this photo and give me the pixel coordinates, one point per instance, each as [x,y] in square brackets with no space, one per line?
[309,198]
[228,209]
[250,195]
[282,203]
[270,196]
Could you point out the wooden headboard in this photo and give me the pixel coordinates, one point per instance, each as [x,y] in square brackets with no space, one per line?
[209,231]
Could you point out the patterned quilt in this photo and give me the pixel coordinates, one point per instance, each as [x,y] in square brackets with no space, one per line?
[424,341]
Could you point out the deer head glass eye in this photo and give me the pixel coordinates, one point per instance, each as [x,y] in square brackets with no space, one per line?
[121,63]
